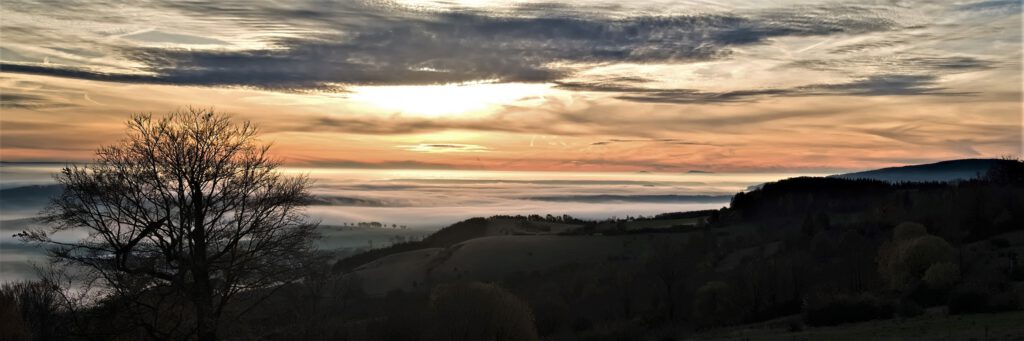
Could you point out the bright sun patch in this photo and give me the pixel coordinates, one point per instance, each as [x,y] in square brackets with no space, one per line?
[446,100]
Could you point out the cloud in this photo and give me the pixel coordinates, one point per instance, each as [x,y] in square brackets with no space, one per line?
[10,100]
[688,96]
[155,36]
[382,45]
[663,140]
[869,45]
[882,85]
[907,64]
[81,73]
[334,200]
[992,5]
[445,148]
[396,125]
[656,95]
[666,198]
[875,85]
[406,164]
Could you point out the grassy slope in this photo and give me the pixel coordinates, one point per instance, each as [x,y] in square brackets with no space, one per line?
[1002,326]
[494,257]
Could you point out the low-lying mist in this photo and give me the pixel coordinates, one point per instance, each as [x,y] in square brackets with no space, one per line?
[409,204]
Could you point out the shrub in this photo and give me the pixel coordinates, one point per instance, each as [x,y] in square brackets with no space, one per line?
[30,311]
[1001,243]
[976,299]
[12,324]
[717,304]
[582,324]
[909,308]
[904,260]
[942,276]
[907,231]
[1003,301]
[968,300]
[830,310]
[922,252]
[794,325]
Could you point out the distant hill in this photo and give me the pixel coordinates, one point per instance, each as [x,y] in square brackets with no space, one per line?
[32,197]
[944,171]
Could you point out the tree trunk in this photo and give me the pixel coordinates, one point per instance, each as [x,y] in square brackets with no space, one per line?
[206,319]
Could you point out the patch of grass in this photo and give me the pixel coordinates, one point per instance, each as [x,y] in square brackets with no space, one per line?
[1000,326]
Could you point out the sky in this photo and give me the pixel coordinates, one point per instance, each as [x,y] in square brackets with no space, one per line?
[611,86]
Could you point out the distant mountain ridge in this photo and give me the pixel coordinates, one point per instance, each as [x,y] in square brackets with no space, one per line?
[944,171]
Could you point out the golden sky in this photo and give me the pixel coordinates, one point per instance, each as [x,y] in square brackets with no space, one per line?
[600,86]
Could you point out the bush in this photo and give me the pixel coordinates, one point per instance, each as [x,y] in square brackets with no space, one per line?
[12,325]
[837,309]
[716,304]
[909,308]
[968,300]
[975,299]
[30,311]
[907,231]
[942,276]
[912,252]
[795,325]
[921,253]
[1004,301]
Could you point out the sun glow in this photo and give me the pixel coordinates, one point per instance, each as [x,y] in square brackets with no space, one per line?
[462,99]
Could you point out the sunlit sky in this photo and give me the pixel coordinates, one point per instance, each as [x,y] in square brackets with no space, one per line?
[672,86]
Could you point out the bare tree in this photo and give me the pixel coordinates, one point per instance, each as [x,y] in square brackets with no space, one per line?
[183,215]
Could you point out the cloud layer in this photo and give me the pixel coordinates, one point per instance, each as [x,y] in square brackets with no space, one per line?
[363,44]
[598,85]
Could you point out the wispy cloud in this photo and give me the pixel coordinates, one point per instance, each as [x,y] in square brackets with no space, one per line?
[444,148]
[877,85]
[663,141]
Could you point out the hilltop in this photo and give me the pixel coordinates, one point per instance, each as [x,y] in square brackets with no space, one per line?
[951,170]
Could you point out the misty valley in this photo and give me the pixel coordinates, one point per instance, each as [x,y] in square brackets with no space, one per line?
[487,170]
[922,251]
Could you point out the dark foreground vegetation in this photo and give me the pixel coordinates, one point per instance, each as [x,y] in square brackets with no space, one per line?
[792,257]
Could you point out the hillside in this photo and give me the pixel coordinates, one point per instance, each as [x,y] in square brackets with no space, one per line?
[495,258]
[470,230]
[797,258]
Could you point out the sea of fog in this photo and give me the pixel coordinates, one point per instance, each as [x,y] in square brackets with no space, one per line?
[420,200]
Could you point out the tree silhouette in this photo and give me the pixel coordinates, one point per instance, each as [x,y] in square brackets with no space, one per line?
[183,215]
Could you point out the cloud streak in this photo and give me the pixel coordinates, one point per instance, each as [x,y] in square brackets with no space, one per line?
[877,85]
[444,148]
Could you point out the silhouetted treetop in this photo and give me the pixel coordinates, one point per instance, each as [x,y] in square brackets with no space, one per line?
[188,206]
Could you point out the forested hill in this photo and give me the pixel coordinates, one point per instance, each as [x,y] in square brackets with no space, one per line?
[971,210]
[951,170]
